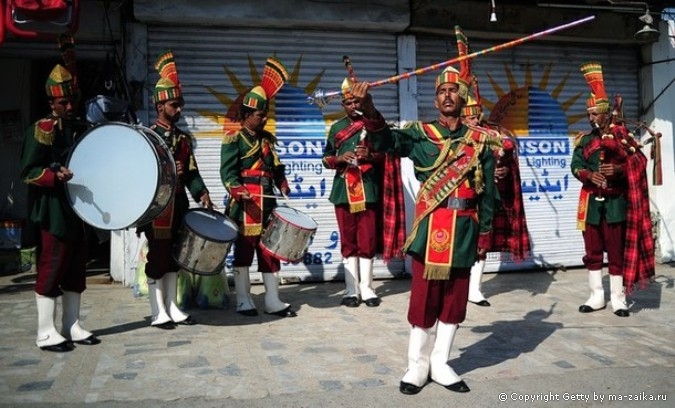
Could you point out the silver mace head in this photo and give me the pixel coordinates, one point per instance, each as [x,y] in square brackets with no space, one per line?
[321,98]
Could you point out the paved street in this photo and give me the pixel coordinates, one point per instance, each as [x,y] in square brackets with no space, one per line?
[531,344]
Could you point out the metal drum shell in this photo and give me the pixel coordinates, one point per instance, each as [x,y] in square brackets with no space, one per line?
[198,252]
[288,234]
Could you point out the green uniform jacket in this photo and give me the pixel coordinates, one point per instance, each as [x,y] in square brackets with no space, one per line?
[414,143]
[180,143]
[240,151]
[49,141]
[371,177]
[613,207]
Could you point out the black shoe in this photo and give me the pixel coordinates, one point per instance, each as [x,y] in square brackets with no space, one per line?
[622,313]
[373,302]
[166,325]
[459,386]
[190,321]
[249,312]
[409,389]
[89,341]
[59,348]
[588,309]
[483,302]
[350,301]
[284,313]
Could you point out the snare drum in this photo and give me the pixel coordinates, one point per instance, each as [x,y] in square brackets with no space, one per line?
[203,241]
[288,234]
[123,176]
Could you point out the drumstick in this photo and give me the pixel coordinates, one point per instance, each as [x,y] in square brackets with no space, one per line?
[274,196]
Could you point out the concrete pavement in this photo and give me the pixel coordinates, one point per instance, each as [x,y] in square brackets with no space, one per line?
[531,348]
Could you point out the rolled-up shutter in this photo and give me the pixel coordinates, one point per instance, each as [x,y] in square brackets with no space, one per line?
[214,63]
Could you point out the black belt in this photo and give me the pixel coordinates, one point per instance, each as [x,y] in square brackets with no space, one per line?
[456,203]
[262,180]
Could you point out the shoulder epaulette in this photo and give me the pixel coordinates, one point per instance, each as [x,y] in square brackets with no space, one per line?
[230,136]
[578,138]
[411,124]
[44,131]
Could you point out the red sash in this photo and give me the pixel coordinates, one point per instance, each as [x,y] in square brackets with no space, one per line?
[253,208]
[356,195]
[440,185]
[440,241]
[161,225]
[347,132]
[582,209]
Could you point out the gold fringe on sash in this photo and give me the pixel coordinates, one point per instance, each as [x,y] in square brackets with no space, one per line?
[436,272]
[358,207]
[252,230]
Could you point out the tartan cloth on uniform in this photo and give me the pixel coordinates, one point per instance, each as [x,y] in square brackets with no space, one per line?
[638,260]
[509,227]
[393,209]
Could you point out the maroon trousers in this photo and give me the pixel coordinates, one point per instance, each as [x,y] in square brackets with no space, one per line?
[357,231]
[246,247]
[443,300]
[604,238]
[61,266]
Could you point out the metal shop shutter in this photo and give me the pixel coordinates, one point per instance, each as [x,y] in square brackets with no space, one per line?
[543,97]
[214,64]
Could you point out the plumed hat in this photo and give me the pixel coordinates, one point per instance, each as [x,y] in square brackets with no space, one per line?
[60,83]
[168,87]
[274,76]
[67,47]
[598,99]
[473,102]
[451,75]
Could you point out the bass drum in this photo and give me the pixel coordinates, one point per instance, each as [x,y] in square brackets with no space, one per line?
[204,239]
[123,176]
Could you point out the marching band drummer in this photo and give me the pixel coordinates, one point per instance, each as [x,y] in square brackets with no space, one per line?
[62,250]
[161,269]
[249,168]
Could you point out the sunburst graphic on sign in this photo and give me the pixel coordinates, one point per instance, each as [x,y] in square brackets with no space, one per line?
[289,116]
[529,110]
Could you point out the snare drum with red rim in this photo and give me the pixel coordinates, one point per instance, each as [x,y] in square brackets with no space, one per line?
[204,239]
[288,234]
